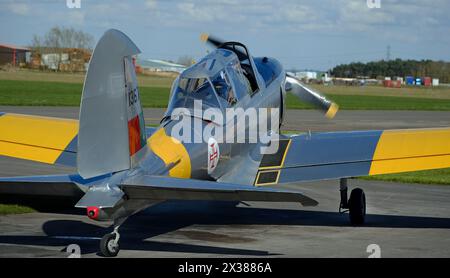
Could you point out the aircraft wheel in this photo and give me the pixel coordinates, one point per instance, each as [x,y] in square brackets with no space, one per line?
[108,247]
[357,206]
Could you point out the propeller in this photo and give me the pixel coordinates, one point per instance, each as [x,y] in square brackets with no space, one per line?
[216,42]
[308,95]
[293,85]
[212,40]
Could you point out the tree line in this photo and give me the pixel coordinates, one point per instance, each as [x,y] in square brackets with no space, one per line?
[61,37]
[398,67]
[57,40]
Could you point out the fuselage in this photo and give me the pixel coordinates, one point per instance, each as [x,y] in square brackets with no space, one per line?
[172,156]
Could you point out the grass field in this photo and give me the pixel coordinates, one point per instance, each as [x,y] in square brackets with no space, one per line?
[52,93]
[441,92]
[438,176]
[156,80]
[44,93]
[14,209]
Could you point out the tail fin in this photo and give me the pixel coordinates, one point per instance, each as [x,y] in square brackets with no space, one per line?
[111,135]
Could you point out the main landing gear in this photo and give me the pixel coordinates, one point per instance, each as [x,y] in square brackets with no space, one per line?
[109,244]
[356,205]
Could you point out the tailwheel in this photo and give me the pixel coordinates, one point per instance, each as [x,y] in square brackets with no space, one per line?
[357,206]
[109,245]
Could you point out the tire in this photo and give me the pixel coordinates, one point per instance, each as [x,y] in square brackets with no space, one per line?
[357,207]
[107,247]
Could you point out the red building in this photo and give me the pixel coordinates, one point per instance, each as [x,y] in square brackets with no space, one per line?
[12,54]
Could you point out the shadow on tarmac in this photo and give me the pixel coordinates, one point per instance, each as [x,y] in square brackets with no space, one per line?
[171,216]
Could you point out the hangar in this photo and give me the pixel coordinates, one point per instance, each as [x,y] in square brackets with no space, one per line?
[13,55]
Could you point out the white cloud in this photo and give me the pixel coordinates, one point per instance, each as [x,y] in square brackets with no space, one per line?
[19,8]
[151,4]
[356,15]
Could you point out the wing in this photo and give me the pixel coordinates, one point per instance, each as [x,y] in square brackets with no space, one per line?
[42,139]
[165,188]
[334,155]
[41,191]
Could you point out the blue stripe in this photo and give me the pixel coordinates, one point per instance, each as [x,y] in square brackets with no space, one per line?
[2,113]
[67,159]
[150,130]
[323,172]
[73,145]
[331,147]
[69,156]
[55,179]
[78,179]
[329,155]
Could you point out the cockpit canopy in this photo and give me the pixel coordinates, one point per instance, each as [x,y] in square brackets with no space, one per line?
[217,80]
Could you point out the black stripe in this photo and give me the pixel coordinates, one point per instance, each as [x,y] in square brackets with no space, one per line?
[274,160]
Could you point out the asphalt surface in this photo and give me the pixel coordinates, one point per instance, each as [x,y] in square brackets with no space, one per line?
[299,120]
[405,220]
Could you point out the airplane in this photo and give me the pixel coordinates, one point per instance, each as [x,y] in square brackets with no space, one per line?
[124,167]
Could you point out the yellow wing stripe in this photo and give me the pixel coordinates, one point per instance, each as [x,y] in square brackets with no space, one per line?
[171,151]
[411,150]
[41,139]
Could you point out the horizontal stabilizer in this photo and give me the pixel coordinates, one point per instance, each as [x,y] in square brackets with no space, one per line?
[40,191]
[37,138]
[163,188]
[42,139]
[101,197]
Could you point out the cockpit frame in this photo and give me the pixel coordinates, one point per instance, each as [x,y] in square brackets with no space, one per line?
[243,56]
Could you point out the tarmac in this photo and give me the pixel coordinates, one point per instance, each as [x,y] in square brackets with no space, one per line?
[404,220]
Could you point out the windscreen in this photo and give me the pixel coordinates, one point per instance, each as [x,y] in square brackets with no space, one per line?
[241,84]
[217,80]
[224,89]
[186,90]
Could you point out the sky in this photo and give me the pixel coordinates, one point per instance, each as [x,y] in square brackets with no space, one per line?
[315,34]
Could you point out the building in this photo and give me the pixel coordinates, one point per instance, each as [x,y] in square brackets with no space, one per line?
[306,75]
[13,55]
[61,59]
[159,66]
[435,82]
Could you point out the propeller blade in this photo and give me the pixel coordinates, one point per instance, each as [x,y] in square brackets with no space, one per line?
[216,42]
[212,40]
[308,95]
